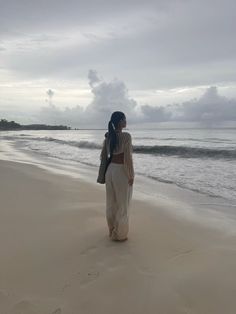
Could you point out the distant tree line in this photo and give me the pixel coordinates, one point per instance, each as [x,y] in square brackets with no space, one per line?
[12,125]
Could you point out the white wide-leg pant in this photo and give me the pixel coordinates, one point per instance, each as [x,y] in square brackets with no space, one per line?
[118,197]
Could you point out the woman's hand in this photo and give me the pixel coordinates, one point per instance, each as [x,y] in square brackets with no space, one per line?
[131,181]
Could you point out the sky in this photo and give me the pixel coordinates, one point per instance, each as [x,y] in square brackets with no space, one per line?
[75,62]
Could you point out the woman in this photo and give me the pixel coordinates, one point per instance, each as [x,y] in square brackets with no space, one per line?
[119,176]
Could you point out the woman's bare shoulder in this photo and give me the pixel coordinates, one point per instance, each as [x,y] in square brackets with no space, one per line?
[126,137]
[127,134]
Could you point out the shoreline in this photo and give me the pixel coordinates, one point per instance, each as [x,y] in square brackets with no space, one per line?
[56,256]
[214,212]
[184,175]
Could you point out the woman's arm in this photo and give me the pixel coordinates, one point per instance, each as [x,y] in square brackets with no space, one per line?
[128,158]
[103,155]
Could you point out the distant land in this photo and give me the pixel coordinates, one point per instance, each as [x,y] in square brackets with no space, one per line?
[13,126]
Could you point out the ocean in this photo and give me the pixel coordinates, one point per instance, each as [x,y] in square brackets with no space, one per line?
[200,160]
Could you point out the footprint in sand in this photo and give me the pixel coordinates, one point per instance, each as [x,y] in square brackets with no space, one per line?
[24,307]
[3,295]
[181,254]
[88,276]
[88,250]
[4,300]
[81,278]
[57,311]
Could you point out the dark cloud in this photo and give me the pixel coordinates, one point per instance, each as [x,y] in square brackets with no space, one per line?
[155,114]
[93,78]
[151,44]
[209,108]
[79,11]
[50,93]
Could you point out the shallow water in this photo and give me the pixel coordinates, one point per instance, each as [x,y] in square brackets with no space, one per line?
[202,160]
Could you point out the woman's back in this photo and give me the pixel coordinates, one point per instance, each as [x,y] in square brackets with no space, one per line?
[124,147]
[123,143]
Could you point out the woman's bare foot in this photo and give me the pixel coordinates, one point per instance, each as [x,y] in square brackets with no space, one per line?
[120,240]
[110,232]
[123,240]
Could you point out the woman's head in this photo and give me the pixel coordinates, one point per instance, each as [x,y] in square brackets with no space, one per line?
[117,122]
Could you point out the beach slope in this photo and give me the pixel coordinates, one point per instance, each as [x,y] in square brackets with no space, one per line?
[56,257]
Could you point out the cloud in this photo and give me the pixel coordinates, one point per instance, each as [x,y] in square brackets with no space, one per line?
[53,115]
[50,93]
[155,114]
[111,96]
[93,78]
[107,97]
[151,44]
[209,108]
[33,15]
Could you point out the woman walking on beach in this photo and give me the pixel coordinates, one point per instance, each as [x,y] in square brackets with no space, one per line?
[119,176]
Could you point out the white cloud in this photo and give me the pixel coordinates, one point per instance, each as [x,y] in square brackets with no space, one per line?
[107,97]
[111,96]
[209,107]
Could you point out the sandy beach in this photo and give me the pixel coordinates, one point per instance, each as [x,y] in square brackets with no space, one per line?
[56,257]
